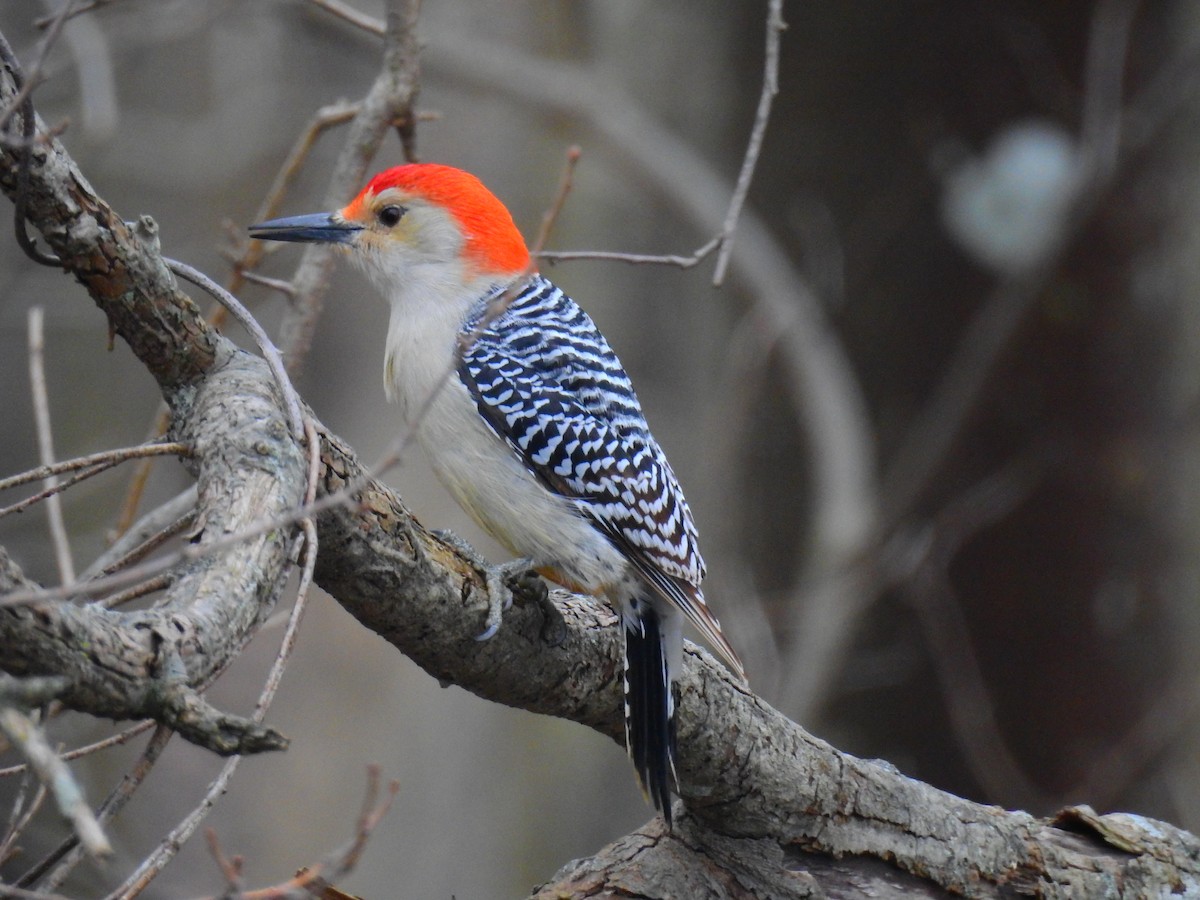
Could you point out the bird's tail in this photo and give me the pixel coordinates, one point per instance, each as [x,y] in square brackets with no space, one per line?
[650,704]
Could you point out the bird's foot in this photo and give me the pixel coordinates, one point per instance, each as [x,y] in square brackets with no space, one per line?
[501,582]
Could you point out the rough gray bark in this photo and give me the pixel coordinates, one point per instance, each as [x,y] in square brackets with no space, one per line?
[771,810]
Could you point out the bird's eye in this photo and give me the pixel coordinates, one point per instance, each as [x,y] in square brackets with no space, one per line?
[390,216]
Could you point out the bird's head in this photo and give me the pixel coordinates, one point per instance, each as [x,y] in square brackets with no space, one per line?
[420,214]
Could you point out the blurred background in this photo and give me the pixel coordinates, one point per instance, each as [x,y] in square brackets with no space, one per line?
[939,427]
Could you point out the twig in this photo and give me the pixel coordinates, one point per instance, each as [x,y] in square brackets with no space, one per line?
[252,253]
[85,6]
[638,259]
[149,586]
[24,102]
[53,772]
[34,76]
[389,100]
[141,474]
[179,509]
[550,216]
[1108,47]
[68,854]
[276,284]
[265,345]
[170,845]
[45,439]
[339,863]
[231,869]
[52,491]
[17,826]
[111,457]
[113,740]
[349,14]
[770,87]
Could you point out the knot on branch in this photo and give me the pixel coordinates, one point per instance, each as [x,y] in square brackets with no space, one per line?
[198,721]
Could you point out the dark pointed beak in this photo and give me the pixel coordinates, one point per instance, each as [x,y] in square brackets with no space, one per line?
[320,228]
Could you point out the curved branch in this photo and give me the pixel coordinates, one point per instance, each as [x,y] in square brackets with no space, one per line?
[149,663]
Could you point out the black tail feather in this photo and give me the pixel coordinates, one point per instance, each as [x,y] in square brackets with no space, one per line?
[649,709]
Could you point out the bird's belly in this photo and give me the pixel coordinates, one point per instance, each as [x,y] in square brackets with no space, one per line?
[492,484]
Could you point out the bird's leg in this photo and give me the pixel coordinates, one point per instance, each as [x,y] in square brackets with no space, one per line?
[500,581]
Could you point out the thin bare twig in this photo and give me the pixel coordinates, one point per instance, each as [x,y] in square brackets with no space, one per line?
[56,489]
[111,457]
[637,259]
[339,863]
[276,284]
[180,508]
[349,14]
[550,216]
[770,87]
[149,586]
[389,101]
[170,845]
[53,773]
[45,440]
[231,869]
[68,854]
[141,474]
[150,544]
[325,118]
[113,740]
[17,826]
[266,346]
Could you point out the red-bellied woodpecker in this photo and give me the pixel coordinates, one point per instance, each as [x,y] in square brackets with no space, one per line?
[531,423]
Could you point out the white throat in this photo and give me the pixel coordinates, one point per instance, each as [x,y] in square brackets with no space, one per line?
[428,307]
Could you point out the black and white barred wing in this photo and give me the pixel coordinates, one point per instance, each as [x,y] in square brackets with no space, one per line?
[547,382]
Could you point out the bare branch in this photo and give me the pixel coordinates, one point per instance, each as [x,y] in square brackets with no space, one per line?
[113,740]
[105,457]
[390,99]
[266,346]
[171,844]
[54,869]
[775,27]
[49,492]
[349,14]
[45,440]
[141,474]
[682,262]
[990,331]
[17,825]
[53,773]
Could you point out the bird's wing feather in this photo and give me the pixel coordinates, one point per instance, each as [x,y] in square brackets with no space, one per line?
[547,382]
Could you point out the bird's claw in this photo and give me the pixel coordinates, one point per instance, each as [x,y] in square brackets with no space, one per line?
[499,581]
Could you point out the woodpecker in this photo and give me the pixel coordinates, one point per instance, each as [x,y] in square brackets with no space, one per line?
[531,423]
